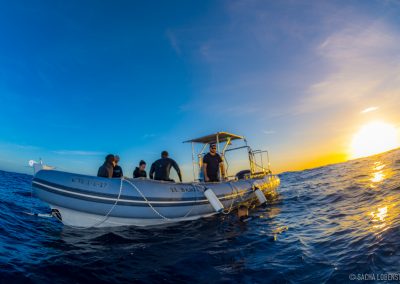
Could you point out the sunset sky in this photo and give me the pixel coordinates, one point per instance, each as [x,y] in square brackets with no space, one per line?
[308,80]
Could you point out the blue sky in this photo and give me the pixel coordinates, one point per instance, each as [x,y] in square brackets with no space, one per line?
[80,79]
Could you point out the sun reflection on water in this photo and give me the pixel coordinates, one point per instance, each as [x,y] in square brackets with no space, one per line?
[384,215]
[380,214]
[379,217]
[379,173]
[379,166]
[378,177]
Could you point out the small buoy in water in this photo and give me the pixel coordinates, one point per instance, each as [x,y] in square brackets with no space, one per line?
[213,199]
[243,213]
[279,230]
[260,196]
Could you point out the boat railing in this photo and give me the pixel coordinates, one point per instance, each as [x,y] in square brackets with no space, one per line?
[259,165]
[257,161]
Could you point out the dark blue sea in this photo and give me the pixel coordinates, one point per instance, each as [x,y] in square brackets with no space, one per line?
[328,224]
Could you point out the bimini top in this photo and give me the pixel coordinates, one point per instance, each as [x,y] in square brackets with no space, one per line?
[212,138]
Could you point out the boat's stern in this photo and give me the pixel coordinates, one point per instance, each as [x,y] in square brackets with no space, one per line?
[268,185]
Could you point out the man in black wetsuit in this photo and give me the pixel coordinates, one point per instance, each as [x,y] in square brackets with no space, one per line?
[117,172]
[162,167]
[106,170]
[140,171]
[212,163]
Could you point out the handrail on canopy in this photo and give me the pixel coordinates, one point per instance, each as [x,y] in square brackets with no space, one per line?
[214,138]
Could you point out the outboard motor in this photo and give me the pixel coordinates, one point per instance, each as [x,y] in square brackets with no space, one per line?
[213,199]
[242,174]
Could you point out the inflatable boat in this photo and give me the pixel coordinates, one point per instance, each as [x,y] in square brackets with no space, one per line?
[87,201]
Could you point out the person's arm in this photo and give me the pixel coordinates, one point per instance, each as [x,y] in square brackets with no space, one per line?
[104,172]
[110,172]
[205,164]
[122,173]
[222,168]
[135,173]
[152,169]
[178,171]
[100,172]
[206,179]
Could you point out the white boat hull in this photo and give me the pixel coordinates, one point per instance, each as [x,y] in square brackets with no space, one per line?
[87,201]
[73,218]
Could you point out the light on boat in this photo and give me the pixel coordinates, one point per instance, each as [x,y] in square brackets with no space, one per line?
[213,199]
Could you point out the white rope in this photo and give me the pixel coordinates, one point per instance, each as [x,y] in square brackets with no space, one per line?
[38,214]
[105,216]
[191,209]
[233,200]
[237,191]
[148,203]
[155,210]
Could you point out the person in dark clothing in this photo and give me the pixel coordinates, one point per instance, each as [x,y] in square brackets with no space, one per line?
[161,168]
[212,164]
[117,172]
[107,169]
[140,171]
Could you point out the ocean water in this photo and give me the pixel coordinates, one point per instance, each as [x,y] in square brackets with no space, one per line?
[328,224]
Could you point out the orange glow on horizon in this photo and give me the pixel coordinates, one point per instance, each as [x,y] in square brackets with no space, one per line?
[372,138]
[312,162]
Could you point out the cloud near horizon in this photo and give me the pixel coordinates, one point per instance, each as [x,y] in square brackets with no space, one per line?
[78,153]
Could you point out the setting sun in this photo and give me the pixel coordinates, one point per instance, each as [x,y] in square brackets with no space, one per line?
[374,138]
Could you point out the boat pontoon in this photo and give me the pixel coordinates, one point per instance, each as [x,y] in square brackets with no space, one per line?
[87,201]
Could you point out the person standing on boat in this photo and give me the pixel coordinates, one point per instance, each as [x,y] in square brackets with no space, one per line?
[161,168]
[107,169]
[117,172]
[140,171]
[212,164]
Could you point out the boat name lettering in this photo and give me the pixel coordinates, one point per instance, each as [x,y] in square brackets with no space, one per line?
[184,189]
[92,183]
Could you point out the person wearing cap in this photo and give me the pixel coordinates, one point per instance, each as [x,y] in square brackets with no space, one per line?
[107,169]
[161,168]
[140,171]
[212,164]
[117,172]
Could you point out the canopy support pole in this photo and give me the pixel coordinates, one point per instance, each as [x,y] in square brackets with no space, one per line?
[193,163]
